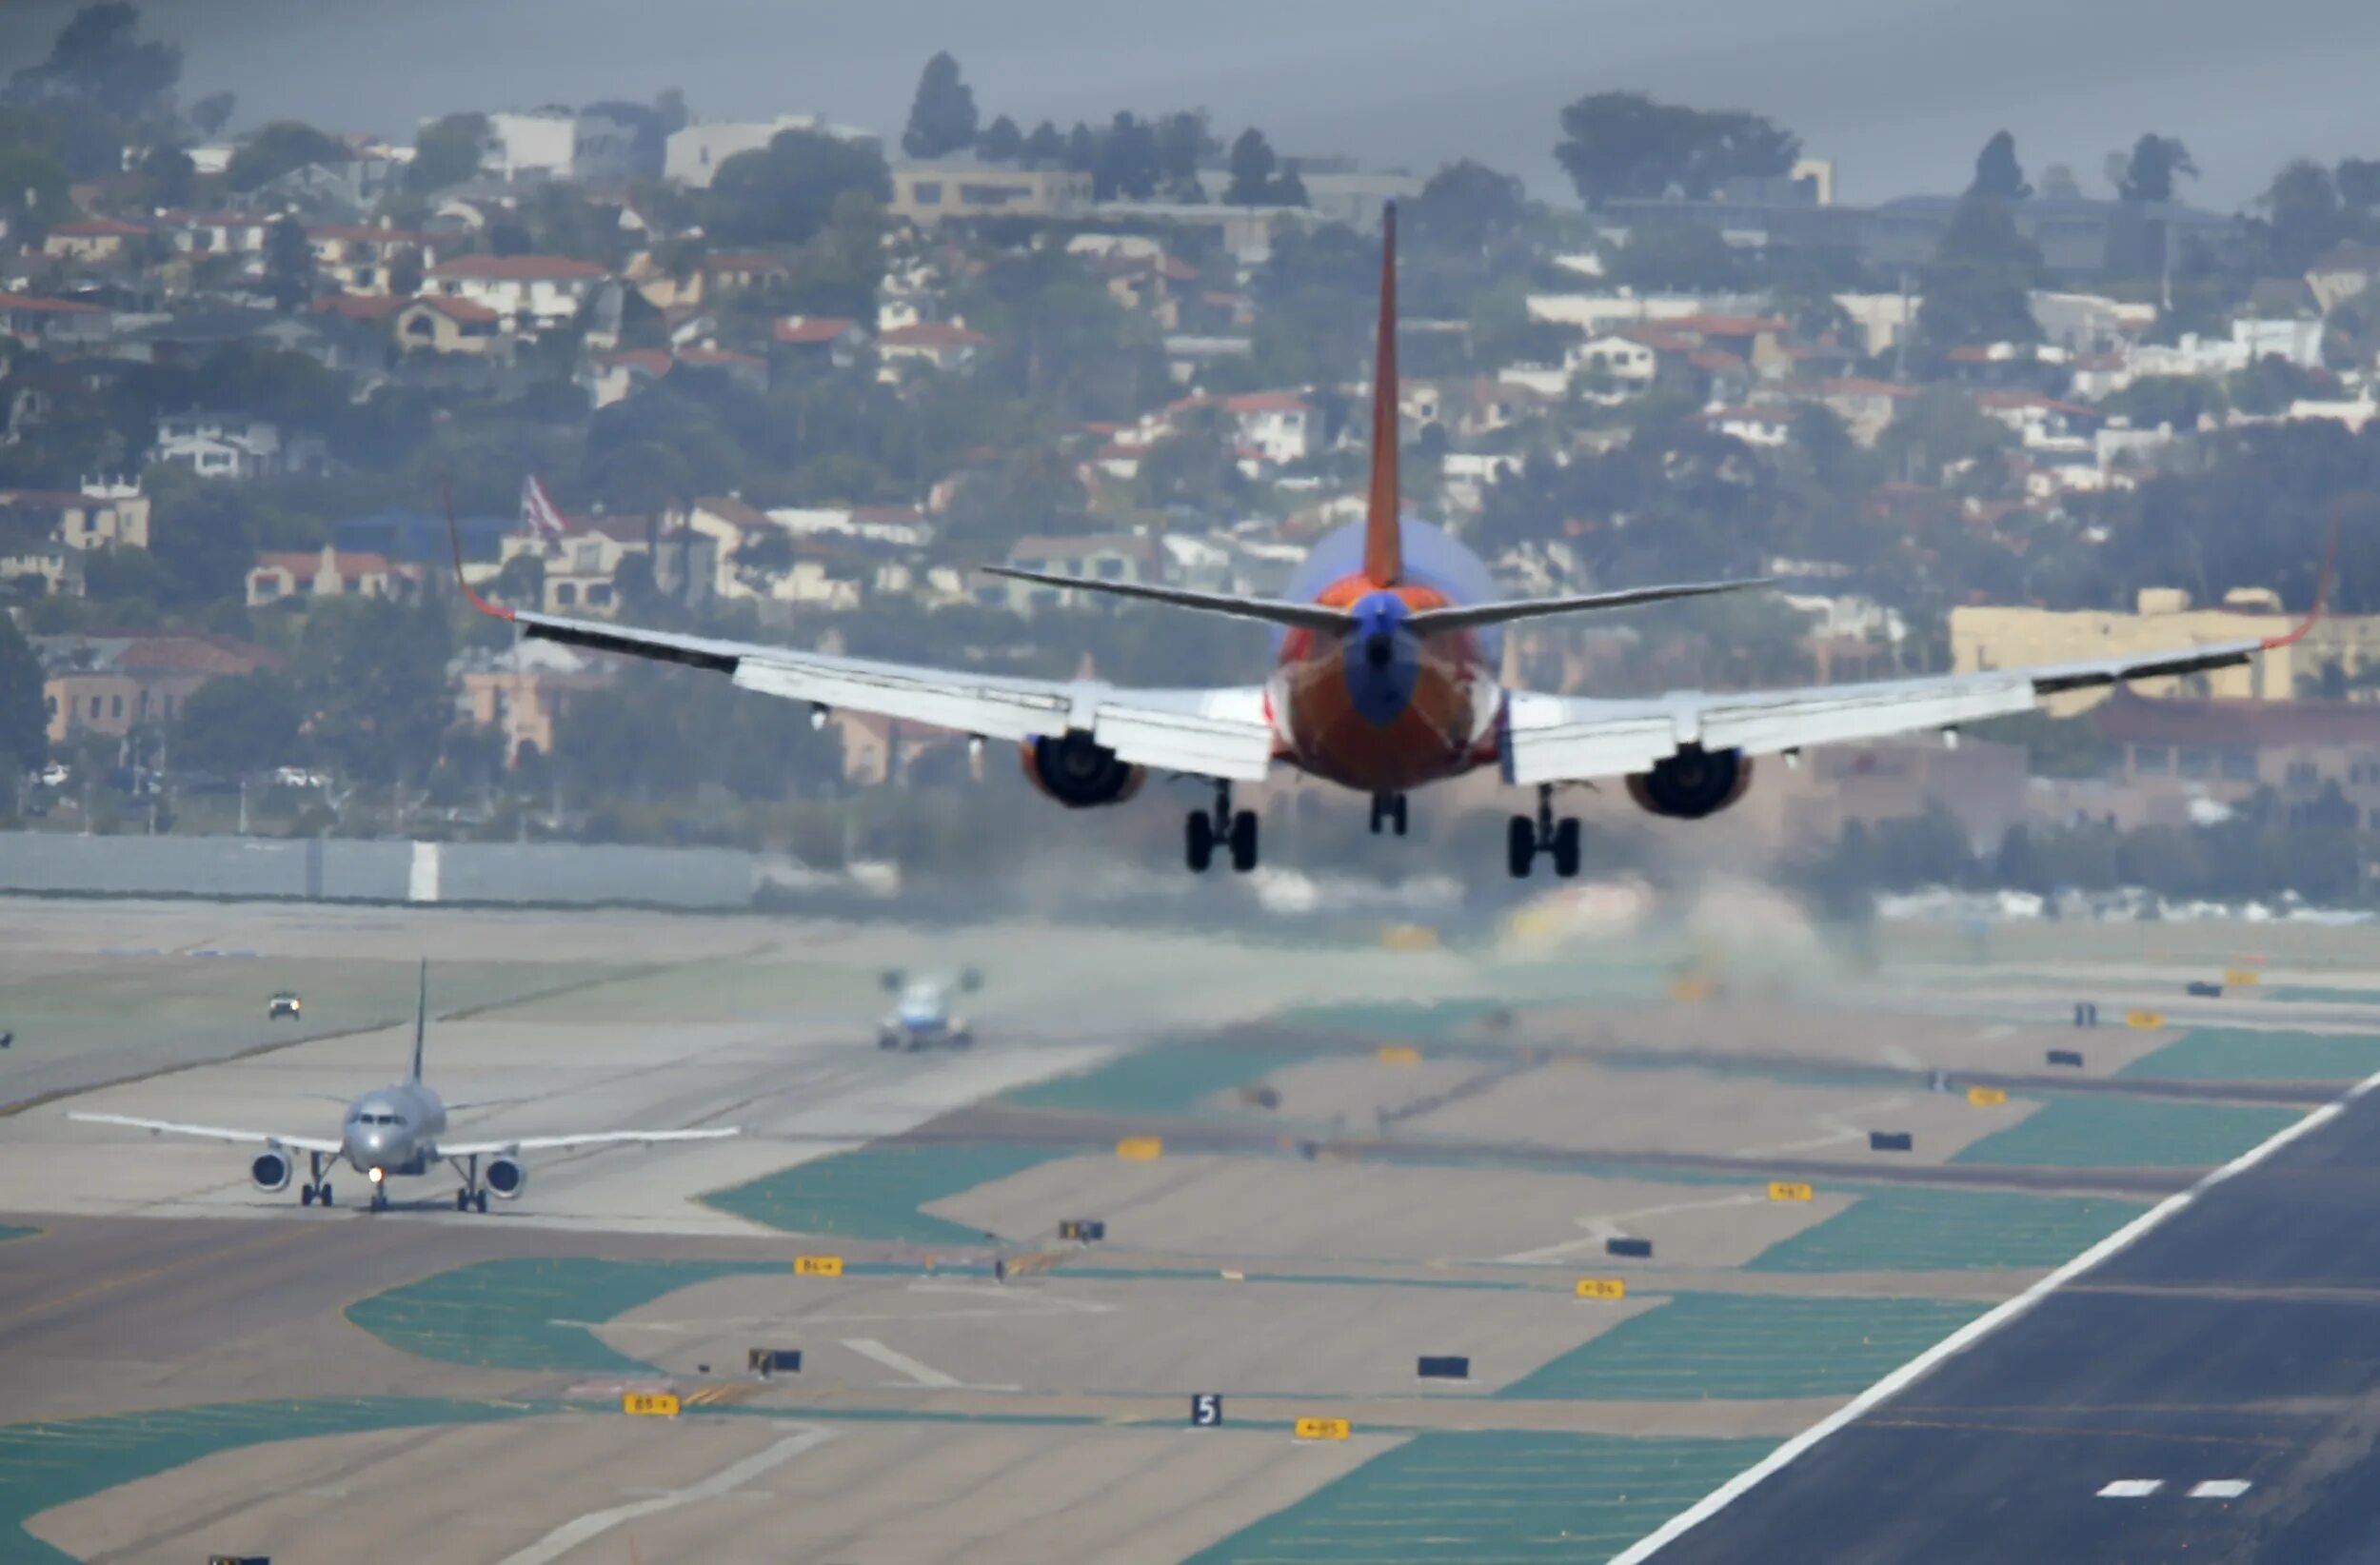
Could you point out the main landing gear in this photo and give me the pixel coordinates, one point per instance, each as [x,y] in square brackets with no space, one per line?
[1525,838]
[1388,810]
[316,1188]
[1207,830]
[472,1197]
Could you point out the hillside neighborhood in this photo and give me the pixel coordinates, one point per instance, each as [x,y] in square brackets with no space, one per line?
[797,379]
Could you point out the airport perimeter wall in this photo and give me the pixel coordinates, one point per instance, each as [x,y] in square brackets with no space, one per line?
[336,869]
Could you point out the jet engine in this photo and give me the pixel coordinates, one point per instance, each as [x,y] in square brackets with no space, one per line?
[1080,772]
[1692,783]
[507,1178]
[270,1171]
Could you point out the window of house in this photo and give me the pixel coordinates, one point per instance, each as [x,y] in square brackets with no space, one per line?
[2302,774]
[565,594]
[51,702]
[599,594]
[926,193]
[2197,762]
[1111,570]
[2153,759]
[117,704]
[2240,766]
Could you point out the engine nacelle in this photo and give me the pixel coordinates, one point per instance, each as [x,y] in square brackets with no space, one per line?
[270,1171]
[507,1178]
[1692,783]
[1078,772]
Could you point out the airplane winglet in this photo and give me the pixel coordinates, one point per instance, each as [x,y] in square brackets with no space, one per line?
[2322,593]
[454,535]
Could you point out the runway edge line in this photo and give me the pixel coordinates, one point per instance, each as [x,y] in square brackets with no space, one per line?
[1977,1329]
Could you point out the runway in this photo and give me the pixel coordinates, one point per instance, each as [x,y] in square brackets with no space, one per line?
[2211,1392]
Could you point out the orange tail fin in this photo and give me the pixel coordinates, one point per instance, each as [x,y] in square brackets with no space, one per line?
[1383,546]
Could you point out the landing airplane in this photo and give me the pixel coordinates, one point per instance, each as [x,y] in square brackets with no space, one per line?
[1384,681]
[396,1131]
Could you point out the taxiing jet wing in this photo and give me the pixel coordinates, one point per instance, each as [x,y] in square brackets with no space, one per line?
[1215,732]
[1562,739]
[212,1133]
[550,1143]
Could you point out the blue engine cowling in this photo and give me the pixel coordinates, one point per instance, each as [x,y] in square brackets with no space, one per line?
[270,1171]
[1080,772]
[507,1178]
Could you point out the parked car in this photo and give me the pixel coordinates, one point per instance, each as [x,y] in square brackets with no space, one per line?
[284,1003]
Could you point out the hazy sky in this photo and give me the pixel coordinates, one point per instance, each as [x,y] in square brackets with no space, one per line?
[1900,92]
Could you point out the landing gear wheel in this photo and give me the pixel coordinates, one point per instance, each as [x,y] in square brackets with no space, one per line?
[1520,846]
[1397,814]
[478,1203]
[1198,842]
[324,1195]
[1566,847]
[306,1195]
[462,1201]
[380,1198]
[1243,841]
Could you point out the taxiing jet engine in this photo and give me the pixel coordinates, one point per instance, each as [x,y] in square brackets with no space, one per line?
[1692,783]
[270,1171]
[1080,772]
[507,1178]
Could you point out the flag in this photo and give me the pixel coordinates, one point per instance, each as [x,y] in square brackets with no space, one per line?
[538,517]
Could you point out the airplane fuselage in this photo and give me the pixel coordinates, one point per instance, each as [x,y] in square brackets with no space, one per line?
[394,1130]
[1378,708]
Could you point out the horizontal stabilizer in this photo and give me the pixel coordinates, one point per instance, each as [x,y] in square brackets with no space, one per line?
[1426,621]
[1270,610]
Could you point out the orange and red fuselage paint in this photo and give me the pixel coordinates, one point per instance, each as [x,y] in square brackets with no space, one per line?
[1378,708]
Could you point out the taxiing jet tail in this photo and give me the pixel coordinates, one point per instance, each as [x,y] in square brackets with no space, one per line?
[421,1020]
[1383,541]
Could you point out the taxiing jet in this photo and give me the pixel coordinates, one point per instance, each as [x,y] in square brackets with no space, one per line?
[1386,652]
[398,1131]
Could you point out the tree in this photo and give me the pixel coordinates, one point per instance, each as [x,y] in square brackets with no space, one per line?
[2148,174]
[1255,177]
[1623,144]
[1127,167]
[1000,142]
[245,722]
[941,120]
[2303,216]
[1977,287]
[1046,146]
[1082,149]
[288,264]
[23,714]
[1999,174]
[2058,183]
[1675,254]
[448,151]
[670,109]
[277,148]
[212,112]
[787,192]
[168,178]
[1184,144]
[98,56]
[1467,206]
[373,684]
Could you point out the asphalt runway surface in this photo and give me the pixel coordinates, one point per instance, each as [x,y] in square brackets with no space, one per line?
[2210,1391]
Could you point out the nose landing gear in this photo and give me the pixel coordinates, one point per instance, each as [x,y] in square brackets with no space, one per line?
[1526,838]
[1207,830]
[1388,810]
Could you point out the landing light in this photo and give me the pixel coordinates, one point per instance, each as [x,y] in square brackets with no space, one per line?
[378,1174]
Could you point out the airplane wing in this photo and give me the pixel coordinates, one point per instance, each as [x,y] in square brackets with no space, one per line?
[1212,732]
[550,1143]
[1563,738]
[212,1133]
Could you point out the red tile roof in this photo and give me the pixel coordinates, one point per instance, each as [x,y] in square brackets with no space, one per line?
[27,302]
[516,268]
[461,311]
[307,563]
[719,356]
[2238,723]
[372,308]
[97,227]
[1267,402]
[800,330]
[931,334]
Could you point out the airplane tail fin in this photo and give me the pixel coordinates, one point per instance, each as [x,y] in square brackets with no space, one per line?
[1383,541]
[421,1020]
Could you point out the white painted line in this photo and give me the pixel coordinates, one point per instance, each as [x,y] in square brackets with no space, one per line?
[1976,1330]
[2219,1489]
[2131,1488]
[925,1374]
[1613,1226]
[726,1481]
